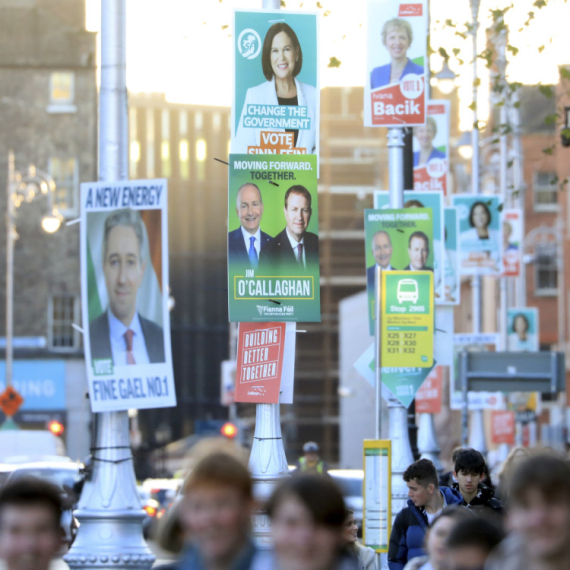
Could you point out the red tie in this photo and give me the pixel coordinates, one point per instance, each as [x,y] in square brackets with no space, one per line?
[129,340]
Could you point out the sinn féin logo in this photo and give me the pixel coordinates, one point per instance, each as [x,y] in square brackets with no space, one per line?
[260,309]
[249,44]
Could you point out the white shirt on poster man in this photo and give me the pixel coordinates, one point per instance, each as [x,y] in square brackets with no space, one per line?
[247,239]
[119,345]
[294,244]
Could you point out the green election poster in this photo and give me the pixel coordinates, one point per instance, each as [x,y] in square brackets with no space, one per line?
[407,319]
[273,239]
[397,240]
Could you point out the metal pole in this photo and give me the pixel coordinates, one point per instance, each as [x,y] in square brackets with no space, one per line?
[378,348]
[427,441]
[9,269]
[267,462]
[398,415]
[109,509]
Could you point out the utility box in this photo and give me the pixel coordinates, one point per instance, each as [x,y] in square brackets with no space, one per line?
[512,371]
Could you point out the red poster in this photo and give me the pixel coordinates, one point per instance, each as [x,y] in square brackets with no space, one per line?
[502,427]
[428,397]
[259,362]
[512,241]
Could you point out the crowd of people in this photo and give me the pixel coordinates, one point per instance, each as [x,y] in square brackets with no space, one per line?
[459,526]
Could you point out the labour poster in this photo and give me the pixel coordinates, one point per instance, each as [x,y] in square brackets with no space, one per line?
[512,241]
[273,239]
[480,234]
[124,282]
[275,107]
[431,149]
[394,86]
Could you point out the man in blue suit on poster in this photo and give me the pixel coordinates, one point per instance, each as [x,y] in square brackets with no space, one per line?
[245,243]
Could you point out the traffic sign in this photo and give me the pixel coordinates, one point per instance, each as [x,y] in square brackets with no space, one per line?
[10,401]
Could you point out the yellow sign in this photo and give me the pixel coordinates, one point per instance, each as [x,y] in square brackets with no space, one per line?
[407,319]
[377,507]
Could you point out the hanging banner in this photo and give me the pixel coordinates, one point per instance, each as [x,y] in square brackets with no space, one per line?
[377,499]
[431,149]
[451,276]
[124,294]
[512,241]
[472,342]
[397,239]
[276,99]
[502,427]
[433,200]
[273,243]
[428,397]
[394,92]
[480,235]
[523,331]
[407,319]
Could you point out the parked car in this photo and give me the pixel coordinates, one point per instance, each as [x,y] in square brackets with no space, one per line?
[351,483]
[151,507]
[63,474]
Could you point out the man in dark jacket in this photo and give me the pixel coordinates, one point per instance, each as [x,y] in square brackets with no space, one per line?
[469,472]
[427,500]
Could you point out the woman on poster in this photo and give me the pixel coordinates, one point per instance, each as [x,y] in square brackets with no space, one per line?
[281,61]
[425,136]
[481,232]
[397,37]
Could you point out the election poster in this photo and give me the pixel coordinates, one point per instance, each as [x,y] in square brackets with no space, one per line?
[273,239]
[480,234]
[451,275]
[395,84]
[124,284]
[473,342]
[512,241]
[275,108]
[433,200]
[397,240]
[522,329]
[502,427]
[407,319]
[431,149]
[428,397]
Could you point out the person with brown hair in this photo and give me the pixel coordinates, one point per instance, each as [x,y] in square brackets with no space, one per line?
[307,514]
[215,514]
[364,555]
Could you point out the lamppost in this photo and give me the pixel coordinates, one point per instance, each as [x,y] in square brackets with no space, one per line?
[23,187]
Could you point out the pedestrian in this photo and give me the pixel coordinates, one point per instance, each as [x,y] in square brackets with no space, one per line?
[426,501]
[30,528]
[470,542]
[539,516]
[307,514]
[215,516]
[365,556]
[437,555]
[311,462]
[515,457]
[469,472]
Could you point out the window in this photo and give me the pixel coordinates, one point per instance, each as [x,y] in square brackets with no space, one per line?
[165,144]
[135,145]
[63,311]
[545,191]
[62,92]
[150,143]
[63,170]
[546,269]
[184,146]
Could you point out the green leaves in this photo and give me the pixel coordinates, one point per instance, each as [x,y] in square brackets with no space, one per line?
[547,91]
[334,62]
[551,119]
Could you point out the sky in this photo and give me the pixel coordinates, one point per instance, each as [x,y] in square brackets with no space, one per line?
[183,48]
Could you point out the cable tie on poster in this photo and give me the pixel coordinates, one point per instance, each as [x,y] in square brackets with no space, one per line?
[222,161]
[77,328]
[71,222]
[272,301]
[274,183]
[301,331]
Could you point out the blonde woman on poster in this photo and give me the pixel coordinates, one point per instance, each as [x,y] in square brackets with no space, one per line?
[425,135]
[281,61]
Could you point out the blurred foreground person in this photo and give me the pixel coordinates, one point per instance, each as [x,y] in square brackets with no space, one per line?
[30,530]
[539,516]
[365,556]
[307,515]
[437,555]
[470,542]
[215,514]
[426,501]
[516,456]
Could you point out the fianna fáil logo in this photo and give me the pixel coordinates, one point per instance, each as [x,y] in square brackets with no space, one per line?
[249,44]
